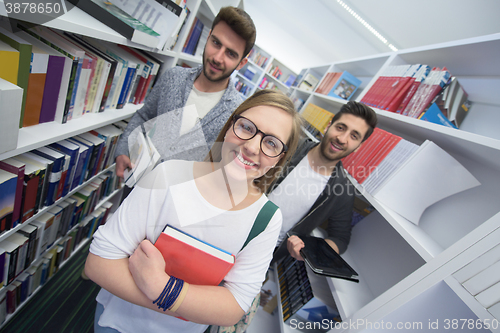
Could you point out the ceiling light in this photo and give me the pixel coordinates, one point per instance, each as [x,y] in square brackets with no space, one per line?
[366,25]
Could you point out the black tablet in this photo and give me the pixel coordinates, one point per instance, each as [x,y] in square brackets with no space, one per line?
[323,260]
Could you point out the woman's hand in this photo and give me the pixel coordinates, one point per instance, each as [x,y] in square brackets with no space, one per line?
[147,267]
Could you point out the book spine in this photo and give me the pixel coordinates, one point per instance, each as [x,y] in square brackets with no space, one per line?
[53,79]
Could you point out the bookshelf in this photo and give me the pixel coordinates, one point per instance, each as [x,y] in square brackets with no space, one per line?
[408,272]
[255,75]
[113,198]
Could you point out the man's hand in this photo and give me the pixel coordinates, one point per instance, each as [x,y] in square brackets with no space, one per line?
[122,163]
[147,267]
[294,244]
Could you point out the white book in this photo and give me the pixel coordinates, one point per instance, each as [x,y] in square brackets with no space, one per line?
[11,99]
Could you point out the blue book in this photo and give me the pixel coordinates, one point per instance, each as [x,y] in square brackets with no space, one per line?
[99,145]
[195,37]
[90,157]
[434,115]
[8,187]
[55,174]
[83,159]
[68,148]
[126,86]
[345,87]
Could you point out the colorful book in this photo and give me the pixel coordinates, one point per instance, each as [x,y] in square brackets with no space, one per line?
[11,254]
[36,86]
[345,86]
[71,149]
[24,48]
[44,224]
[75,55]
[191,259]
[54,175]
[30,231]
[34,184]
[8,186]
[430,88]
[141,82]
[110,135]
[108,73]
[83,157]
[16,167]
[88,162]
[97,153]
[9,58]
[56,81]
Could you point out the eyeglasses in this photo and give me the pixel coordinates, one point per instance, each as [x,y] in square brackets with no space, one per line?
[245,129]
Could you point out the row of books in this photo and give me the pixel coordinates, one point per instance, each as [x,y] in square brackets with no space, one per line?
[197,36]
[418,91]
[257,58]
[297,296]
[309,82]
[32,255]
[249,73]
[317,119]
[267,84]
[277,73]
[405,176]
[242,87]
[64,76]
[339,84]
[39,178]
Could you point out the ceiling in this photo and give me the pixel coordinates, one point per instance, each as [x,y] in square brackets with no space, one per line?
[316,32]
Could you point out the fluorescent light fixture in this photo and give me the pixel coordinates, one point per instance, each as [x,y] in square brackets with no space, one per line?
[366,25]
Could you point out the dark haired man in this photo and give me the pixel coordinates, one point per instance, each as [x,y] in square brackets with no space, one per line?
[314,187]
[208,87]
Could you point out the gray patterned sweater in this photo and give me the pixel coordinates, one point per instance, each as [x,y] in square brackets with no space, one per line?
[171,93]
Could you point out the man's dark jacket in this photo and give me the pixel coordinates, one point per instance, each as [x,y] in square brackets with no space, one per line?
[334,204]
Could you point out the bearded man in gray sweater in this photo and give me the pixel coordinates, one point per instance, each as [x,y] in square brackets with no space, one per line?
[198,101]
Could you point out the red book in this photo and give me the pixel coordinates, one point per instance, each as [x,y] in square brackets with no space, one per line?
[362,166]
[405,73]
[419,77]
[351,161]
[191,259]
[378,156]
[370,96]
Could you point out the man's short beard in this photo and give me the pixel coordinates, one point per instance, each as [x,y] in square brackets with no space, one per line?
[220,79]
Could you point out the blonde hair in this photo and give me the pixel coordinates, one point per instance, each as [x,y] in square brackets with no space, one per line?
[266,98]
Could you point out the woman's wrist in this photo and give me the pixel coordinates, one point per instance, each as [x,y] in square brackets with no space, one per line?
[155,286]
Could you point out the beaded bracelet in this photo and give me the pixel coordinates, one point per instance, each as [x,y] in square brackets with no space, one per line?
[169,294]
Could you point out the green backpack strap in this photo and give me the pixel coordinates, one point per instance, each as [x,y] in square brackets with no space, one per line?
[261,221]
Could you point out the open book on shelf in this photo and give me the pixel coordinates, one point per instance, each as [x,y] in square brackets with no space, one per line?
[143,156]
[404,176]
[191,259]
[430,174]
